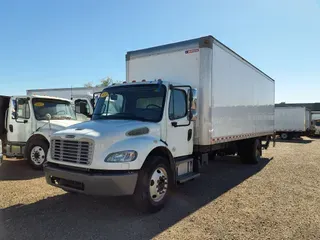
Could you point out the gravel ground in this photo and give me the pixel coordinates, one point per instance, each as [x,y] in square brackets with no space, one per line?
[277,199]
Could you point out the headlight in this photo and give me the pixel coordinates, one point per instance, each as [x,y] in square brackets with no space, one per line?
[123,156]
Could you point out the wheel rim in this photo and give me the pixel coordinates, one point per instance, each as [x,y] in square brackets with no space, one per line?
[158,185]
[284,136]
[37,155]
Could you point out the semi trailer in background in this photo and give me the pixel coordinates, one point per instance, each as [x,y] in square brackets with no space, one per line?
[292,122]
[182,103]
[83,98]
[27,122]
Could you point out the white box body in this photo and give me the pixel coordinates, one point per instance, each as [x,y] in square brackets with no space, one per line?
[235,99]
[292,119]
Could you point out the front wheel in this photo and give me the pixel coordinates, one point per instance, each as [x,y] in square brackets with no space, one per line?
[153,185]
[37,154]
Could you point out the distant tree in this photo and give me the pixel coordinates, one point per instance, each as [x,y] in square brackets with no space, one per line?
[88,85]
[103,83]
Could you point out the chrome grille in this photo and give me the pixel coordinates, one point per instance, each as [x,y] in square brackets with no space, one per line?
[72,151]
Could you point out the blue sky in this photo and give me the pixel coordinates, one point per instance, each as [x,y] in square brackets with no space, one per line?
[58,43]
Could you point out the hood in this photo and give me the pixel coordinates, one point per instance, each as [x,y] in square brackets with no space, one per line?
[56,125]
[102,128]
[63,123]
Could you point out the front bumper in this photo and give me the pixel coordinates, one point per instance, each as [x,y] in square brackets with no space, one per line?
[109,183]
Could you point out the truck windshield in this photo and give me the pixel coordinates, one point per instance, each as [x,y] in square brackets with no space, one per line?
[58,109]
[134,102]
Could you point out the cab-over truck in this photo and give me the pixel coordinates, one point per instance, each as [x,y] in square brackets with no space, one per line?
[181,104]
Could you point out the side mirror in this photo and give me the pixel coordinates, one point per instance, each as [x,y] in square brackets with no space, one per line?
[194,97]
[14,115]
[48,116]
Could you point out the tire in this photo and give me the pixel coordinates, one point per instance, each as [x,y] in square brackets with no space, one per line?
[37,154]
[284,136]
[251,152]
[147,197]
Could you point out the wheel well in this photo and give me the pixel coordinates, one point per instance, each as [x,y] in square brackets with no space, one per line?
[165,153]
[35,138]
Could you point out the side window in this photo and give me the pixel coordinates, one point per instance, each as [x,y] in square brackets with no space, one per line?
[82,106]
[23,109]
[178,104]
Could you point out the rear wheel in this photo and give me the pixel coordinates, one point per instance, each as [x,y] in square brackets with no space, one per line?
[37,154]
[284,136]
[251,151]
[153,185]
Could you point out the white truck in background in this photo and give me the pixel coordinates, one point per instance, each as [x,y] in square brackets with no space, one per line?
[161,132]
[82,97]
[315,126]
[292,122]
[27,122]
[315,123]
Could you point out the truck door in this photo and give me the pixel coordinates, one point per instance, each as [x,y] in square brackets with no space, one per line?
[19,123]
[179,128]
[83,106]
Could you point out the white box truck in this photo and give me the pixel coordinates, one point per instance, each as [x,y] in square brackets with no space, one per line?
[292,122]
[82,97]
[27,122]
[161,132]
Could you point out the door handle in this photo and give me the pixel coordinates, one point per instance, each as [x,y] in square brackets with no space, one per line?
[11,128]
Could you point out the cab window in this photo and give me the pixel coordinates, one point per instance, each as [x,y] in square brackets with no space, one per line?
[177,104]
[23,109]
[82,106]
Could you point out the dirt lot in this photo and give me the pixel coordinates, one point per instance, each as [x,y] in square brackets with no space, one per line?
[277,199]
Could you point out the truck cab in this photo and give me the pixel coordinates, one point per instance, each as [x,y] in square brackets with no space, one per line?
[27,122]
[315,126]
[134,126]
[83,98]
[84,104]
